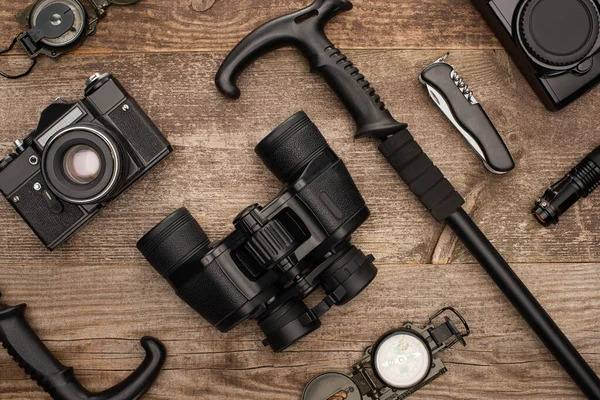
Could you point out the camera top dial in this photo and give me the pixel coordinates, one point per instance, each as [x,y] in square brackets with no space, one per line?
[558,34]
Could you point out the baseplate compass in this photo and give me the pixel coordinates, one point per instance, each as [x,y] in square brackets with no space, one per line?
[56,27]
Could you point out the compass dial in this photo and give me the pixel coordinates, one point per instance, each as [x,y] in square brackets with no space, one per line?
[332,386]
[402,360]
[73,33]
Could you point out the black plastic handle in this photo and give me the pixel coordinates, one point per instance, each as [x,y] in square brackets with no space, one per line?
[305,30]
[59,381]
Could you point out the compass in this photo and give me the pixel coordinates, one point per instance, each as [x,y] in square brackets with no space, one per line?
[402,359]
[397,365]
[58,22]
[55,27]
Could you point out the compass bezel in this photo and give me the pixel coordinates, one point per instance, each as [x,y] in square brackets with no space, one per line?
[390,335]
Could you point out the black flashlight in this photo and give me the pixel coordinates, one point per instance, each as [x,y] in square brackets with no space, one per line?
[577,184]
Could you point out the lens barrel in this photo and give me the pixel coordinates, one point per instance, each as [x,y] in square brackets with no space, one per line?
[291,146]
[286,324]
[174,241]
[348,276]
[90,180]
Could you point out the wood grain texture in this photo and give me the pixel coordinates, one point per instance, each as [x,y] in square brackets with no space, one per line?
[97,333]
[92,299]
[188,25]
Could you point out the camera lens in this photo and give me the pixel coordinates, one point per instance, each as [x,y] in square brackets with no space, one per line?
[349,274]
[287,323]
[82,164]
[291,146]
[175,240]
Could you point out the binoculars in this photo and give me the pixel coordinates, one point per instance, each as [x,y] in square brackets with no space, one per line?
[279,253]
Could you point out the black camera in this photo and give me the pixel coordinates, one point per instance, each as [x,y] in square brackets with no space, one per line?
[80,156]
[554,43]
[279,253]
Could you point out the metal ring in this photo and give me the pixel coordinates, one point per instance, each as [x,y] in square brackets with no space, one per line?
[114,153]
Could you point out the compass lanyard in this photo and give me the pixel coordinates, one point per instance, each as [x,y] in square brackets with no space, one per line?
[57,27]
[33,62]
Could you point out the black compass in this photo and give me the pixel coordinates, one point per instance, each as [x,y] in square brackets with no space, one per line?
[57,23]
[397,365]
[55,27]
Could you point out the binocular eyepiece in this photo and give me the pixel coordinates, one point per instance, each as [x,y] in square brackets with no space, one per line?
[279,253]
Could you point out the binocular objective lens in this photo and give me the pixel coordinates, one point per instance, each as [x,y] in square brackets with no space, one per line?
[82,164]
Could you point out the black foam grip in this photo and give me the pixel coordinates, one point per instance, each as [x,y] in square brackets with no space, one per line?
[425,180]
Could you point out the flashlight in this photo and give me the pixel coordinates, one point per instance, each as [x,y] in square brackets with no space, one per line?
[577,184]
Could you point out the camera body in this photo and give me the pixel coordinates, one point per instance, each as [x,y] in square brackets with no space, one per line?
[80,157]
[555,44]
[279,253]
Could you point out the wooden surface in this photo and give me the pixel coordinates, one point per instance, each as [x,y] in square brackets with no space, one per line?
[93,299]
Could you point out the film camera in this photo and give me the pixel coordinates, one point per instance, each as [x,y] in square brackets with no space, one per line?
[279,253]
[554,43]
[80,157]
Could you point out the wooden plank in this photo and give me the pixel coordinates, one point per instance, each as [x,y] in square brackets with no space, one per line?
[95,328]
[168,60]
[181,25]
[215,172]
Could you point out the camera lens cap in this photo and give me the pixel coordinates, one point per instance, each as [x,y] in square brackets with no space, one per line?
[558,33]
[331,386]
